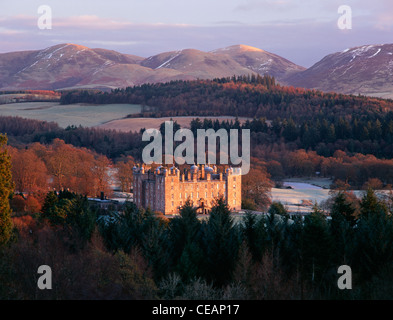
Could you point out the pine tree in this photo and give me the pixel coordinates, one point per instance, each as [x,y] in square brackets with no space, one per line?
[317,246]
[6,187]
[373,250]
[254,235]
[343,209]
[184,234]
[221,244]
[370,204]
[341,227]
[190,261]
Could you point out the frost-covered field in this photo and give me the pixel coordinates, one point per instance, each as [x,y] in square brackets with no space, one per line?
[66,115]
[305,193]
[301,197]
[302,194]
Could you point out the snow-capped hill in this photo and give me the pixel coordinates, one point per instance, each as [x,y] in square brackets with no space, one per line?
[261,61]
[365,69]
[196,63]
[238,47]
[68,65]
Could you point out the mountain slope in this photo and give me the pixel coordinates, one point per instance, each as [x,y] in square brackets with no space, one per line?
[197,63]
[261,61]
[73,66]
[66,66]
[366,70]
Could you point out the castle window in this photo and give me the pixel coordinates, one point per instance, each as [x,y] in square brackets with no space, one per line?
[172,187]
[234,186]
[173,196]
[173,204]
[234,202]
[197,194]
[180,195]
[205,194]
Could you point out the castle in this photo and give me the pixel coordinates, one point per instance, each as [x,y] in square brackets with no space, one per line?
[167,190]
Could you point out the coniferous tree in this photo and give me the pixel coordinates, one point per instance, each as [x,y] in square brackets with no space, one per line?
[190,262]
[317,247]
[342,227]
[221,243]
[374,236]
[184,237]
[254,234]
[370,204]
[373,250]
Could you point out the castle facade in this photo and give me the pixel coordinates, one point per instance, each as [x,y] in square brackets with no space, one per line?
[167,189]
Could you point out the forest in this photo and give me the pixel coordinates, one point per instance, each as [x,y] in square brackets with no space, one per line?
[352,161]
[285,122]
[243,96]
[139,254]
[47,174]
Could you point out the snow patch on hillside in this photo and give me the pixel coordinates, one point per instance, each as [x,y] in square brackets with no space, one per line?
[379,50]
[168,61]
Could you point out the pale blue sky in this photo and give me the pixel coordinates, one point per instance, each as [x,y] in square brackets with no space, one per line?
[302,31]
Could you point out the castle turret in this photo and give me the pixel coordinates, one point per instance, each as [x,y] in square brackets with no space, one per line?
[194,172]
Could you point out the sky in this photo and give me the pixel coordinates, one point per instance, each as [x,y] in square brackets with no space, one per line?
[302,31]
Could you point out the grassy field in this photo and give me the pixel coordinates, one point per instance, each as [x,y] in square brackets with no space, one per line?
[66,115]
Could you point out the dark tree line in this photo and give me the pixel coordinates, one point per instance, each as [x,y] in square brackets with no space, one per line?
[136,254]
[242,96]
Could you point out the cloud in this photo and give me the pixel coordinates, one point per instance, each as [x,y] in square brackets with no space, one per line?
[81,22]
[89,22]
[270,5]
[9,32]
[384,21]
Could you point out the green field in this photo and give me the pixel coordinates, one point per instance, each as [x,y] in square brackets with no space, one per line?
[66,115]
